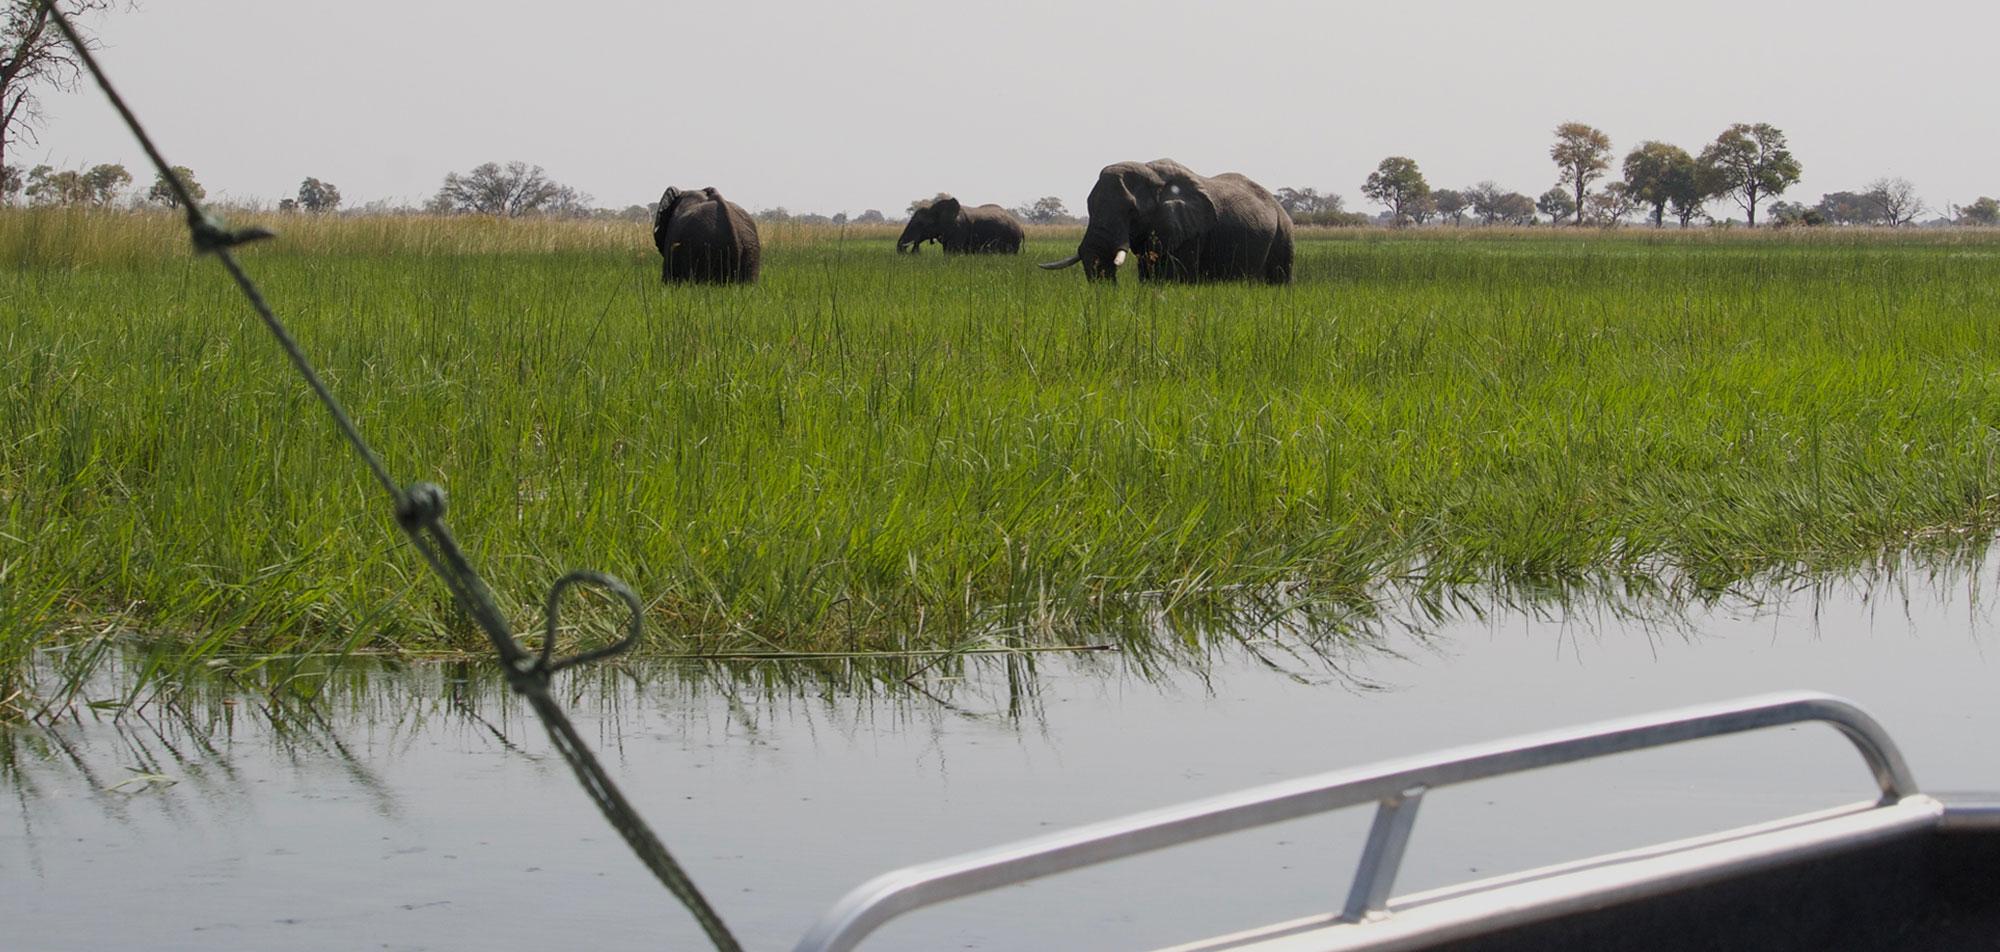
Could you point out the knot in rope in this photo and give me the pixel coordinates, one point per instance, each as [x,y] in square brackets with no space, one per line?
[529,677]
[211,236]
[420,504]
[420,511]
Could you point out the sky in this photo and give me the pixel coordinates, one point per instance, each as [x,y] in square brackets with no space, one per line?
[845,106]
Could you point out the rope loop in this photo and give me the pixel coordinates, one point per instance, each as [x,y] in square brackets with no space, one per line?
[634,622]
[420,512]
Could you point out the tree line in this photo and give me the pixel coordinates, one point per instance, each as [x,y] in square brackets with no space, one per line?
[1750,164]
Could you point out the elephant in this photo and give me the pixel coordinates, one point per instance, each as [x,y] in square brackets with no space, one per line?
[980,229]
[1182,227]
[704,237]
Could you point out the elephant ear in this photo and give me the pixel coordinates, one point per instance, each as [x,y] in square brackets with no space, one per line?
[665,214]
[1140,184]
[945,208]
[1186,210]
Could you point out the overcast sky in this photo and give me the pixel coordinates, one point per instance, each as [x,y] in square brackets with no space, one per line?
[842,106]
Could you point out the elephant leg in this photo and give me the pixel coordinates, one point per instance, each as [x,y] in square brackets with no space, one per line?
[1279,271]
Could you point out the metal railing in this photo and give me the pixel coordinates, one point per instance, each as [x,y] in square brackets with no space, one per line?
[1397,787]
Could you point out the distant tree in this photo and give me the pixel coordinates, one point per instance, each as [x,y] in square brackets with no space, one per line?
[872,216]
[840,218]
[11,183]
[637,213]
[162,192]
[1985,211]
[1691,201]
[105,181]
[512,190]
[1689,190]
[1397,184]
[1485,201]
[1515,208]
[778,214]
[1047,210]
[1897,199]
[1423,209]
[1749,163]
[34,54]
[318,197]
[1582,153]
[1451,204]
[1657,173]
[1794,214]
[1849,208]
[1611,204]
[1557,204]
[1309,206]
[288,205]
[98,185]
[47,186]
[1307,201]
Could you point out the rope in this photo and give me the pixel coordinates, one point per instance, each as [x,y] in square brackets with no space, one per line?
[420,513]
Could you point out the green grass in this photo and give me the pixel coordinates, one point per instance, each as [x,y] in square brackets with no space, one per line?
[873,452]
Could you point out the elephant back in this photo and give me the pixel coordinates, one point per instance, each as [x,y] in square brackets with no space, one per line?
[704,237]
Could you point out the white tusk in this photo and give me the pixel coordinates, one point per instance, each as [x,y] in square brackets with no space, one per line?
[1118,260]
[1064,263]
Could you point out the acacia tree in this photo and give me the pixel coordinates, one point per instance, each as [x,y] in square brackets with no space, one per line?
[1423,209]
[1897,200]
[163,192]
[512,190]
[1609,205]
[1485,201]
[98,185]
[1515,208]
[1582,152]
[1750,163]
[1299,202]
[34,54]
[1451,204]
[1850,208]
[1399,186]
[1047,210]
[1690,194]
[317,196]
[1659,174]
[1557,204]
[1985,211]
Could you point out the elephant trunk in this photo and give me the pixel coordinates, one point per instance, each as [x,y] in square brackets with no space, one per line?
[1101,252]
[1103,249]
[911,240]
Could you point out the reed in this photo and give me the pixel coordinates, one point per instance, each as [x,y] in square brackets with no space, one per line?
[872,452]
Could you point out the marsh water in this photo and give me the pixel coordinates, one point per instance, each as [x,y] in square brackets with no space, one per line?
[420,807]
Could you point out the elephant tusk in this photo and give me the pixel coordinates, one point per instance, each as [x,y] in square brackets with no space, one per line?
[1118,260]
[1064,263]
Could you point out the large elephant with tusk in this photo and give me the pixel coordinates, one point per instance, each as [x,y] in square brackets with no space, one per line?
[1179,226]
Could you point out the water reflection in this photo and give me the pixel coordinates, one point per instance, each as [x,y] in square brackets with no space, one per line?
[329,803]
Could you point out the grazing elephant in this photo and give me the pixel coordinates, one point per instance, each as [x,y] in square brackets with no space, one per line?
[704,237]
[983,229]
[1183,227]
